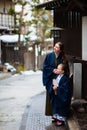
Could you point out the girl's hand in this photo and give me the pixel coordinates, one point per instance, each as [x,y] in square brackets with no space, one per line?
[55,71]
[54,87]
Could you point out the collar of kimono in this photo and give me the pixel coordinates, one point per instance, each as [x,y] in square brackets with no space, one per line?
[56,55]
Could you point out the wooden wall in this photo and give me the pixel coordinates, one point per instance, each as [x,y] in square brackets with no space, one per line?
[71,35]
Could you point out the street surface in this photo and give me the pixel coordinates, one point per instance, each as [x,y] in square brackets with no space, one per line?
[15,95]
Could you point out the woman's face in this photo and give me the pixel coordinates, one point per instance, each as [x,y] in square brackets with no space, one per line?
[57,49]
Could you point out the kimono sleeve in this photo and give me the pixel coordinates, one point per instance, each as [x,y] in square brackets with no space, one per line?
[47,69]
[64,93]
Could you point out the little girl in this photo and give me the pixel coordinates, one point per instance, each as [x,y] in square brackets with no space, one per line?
[62,96]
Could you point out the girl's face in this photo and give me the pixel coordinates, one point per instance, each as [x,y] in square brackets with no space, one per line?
[57,49]
[60,69]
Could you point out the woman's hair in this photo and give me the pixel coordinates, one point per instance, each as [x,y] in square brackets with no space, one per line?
[61,46]
[65,61]
[62,51]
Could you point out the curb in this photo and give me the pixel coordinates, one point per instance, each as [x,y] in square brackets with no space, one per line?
[4,75]
[73,124]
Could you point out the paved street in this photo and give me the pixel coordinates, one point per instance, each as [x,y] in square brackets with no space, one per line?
[34,117]
[22,103]
[15,96]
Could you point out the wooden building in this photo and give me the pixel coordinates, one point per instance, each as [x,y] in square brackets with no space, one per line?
[70,17]
[6,20]
[9,51]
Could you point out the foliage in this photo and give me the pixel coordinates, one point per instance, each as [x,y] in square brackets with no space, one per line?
[23,3]
[19,17]
[11,11]
[42,21]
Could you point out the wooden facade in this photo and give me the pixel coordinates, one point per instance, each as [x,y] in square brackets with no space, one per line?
[71,33]
[8,53]
[12,55]
[71,16]
[6,20]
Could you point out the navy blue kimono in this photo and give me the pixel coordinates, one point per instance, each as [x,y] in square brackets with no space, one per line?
[48,67]
[48,75]
[61,101]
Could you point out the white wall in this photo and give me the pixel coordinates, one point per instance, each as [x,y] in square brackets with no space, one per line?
[0,51]
[84,38]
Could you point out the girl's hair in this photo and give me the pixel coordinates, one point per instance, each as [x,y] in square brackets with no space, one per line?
[64,68]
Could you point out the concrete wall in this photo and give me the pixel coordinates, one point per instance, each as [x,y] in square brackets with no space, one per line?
[0,51]
[40,60]
[77,80]
[29,61]
[84,38]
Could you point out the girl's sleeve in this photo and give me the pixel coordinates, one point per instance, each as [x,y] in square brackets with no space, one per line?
[64,92]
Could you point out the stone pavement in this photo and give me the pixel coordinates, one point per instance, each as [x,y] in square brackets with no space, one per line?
[80,111]
[35,119]
[82,120]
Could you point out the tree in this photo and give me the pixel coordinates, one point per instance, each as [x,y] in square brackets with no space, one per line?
[19,17]
[41,21]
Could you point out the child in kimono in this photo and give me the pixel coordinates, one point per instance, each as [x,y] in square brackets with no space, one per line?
[62,96]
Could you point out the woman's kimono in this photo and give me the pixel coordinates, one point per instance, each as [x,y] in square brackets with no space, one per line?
[49,65]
